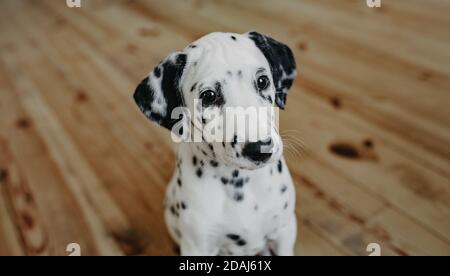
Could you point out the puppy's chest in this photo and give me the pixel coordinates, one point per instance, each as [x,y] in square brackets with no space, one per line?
[241,192]
[247,224]
[241,209]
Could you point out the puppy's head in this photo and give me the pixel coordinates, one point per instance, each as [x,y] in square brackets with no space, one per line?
[220,92]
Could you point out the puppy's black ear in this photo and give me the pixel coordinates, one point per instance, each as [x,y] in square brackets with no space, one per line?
[159,93]
[282,64]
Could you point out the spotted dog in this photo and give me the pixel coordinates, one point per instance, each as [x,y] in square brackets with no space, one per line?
[226,198]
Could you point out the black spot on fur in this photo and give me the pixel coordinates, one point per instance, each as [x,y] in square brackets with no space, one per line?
[239,73]
[213,163]
[220,100]
[234,142]
[194,160]
[211,147]
[157,71]
[173,211]
[199,172]
[239,183]
[193,87]
[229,73]
[233,37]
[224,180]
[285,206]
[193,46]
[233,237]
[183,205]
[280,166]
[238,196]
[235,173]
[283,189]
[241,242]
[179,182]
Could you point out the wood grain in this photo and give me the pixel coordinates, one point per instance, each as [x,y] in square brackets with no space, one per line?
[367,125]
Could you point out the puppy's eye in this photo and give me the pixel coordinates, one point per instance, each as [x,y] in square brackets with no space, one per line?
[262,82]
[208,97]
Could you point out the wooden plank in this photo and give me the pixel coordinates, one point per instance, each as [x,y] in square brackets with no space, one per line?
[11,244]
[415,190]
[39,201]
[132,237]
[392,227]
[68,83]
[309,243]
[326,218]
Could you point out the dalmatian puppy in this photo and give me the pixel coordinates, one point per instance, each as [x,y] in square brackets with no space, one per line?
[230,197]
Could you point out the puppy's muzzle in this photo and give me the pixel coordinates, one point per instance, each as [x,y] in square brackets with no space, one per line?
[259,151]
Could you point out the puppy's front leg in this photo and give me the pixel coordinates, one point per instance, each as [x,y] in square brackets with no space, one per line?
[284,245]
[190,246]
[196,237]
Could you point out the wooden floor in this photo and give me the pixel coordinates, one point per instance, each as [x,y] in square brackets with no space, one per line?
[80,164]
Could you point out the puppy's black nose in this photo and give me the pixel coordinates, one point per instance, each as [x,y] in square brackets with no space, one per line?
[258,151]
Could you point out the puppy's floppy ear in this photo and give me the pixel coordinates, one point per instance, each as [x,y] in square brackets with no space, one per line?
[159,93]
[282,64]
